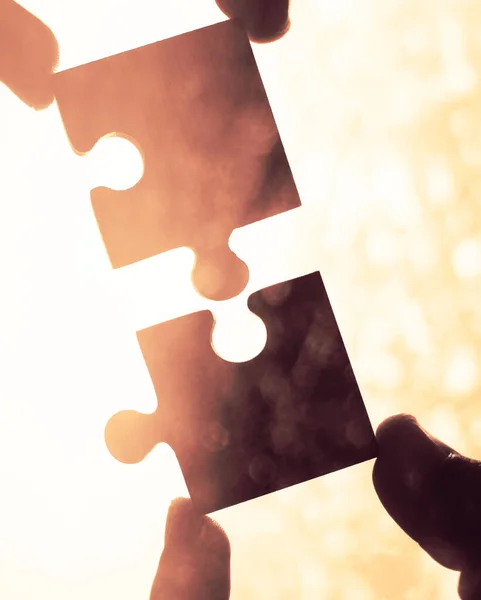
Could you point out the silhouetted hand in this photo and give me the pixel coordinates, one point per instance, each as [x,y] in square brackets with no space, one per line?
[195,563]
[28,55]
[264,20]
[434,494]
[29,50]
[430,490]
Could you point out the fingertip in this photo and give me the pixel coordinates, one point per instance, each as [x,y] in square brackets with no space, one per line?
[185,526]
[179,509]
[432,492]
[181,505]
[266,35]
[395,426]
[264,20]
[409,463]
[195,562]
[469,587]
[30,54]
[38,93]
[401,438]
[406,455]
[214,538]
[183,523]
[395,432]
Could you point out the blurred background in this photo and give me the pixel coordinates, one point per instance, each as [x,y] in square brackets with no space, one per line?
[379,109]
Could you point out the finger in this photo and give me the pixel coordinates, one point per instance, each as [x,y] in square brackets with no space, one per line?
[264,20]
[431,491]
[195,562]
[28,55]
[470,585]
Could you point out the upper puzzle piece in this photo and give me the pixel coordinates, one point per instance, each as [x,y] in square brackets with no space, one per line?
[196,108]
[241,430]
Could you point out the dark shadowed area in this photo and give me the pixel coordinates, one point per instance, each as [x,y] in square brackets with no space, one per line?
[242,430]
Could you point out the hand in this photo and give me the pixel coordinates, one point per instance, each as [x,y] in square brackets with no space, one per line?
[430,490]
[29,50]
[195,563]
[264,20]
[28,55]
[434,494]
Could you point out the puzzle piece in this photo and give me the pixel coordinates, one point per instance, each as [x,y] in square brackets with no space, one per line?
[242,430]
[196,108]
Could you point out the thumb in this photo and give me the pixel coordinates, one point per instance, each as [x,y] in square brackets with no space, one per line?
[264,20]
[195,563]
[28,55]
[433,493]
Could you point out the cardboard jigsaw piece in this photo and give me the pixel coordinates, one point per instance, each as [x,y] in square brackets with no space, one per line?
[196,108]
[242,430]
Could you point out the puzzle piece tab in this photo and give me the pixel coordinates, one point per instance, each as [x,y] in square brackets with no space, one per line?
[242,430]
[196,108]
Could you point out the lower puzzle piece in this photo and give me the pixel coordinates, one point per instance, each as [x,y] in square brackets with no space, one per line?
[242,430]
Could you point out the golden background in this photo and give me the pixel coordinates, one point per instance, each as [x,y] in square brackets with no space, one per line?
[378,106]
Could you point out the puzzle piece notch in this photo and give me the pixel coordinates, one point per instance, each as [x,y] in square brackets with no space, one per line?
[242,430]
[123,153]
[213,160]
[116,162]
[238,335]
